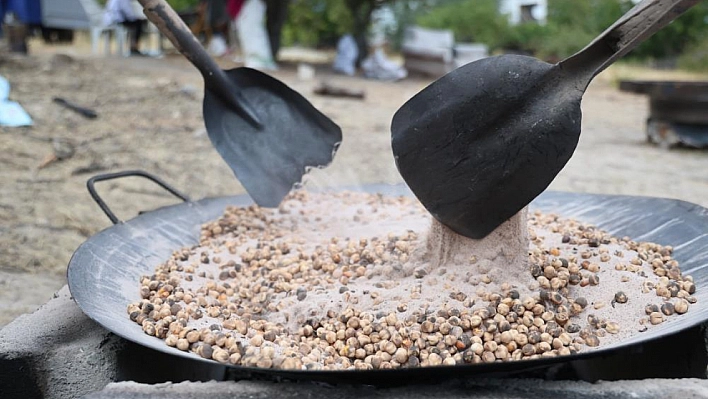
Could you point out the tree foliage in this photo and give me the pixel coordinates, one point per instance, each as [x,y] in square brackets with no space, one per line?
[684,34]
[322,22]
[571,25]
[182,5]
[316,22]
[471,21]
[695,58]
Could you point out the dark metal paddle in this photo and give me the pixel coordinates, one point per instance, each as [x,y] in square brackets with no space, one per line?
[266,132]
[480,143]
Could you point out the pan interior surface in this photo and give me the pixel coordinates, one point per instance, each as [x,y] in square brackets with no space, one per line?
[104,272]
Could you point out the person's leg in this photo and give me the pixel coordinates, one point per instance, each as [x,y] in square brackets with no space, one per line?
[136,31]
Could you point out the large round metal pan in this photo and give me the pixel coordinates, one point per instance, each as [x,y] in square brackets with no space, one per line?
[104,272]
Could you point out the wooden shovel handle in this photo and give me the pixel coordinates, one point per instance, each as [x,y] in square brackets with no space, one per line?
[171,25]
[638,24]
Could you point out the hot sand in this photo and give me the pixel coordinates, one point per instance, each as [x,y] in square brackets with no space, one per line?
[353,280]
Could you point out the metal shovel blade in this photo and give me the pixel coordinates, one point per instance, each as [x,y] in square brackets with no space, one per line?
[267,133]
[480,143]
[270,159]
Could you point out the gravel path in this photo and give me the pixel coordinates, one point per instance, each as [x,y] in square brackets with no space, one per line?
[150,118]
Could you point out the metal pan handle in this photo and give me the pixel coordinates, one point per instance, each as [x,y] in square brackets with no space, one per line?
[109,176]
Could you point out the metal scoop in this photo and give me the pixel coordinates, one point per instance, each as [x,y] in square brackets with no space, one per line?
[480,143]
[266,132]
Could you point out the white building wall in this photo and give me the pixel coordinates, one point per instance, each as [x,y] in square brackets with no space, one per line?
[513,9]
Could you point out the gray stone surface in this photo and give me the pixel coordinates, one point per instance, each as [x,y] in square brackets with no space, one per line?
[61,353]
[58,352]
[479,389]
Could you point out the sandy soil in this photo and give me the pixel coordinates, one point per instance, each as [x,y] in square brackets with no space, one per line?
[150,118]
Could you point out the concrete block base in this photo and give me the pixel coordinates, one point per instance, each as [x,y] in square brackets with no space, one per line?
[478,389]
[58,352]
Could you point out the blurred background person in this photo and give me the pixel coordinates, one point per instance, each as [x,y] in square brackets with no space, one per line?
[249,18]
[122,12]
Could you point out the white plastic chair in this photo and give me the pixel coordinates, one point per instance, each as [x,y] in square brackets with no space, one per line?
[104,33]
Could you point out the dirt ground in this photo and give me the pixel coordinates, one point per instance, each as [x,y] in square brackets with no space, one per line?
[150,118]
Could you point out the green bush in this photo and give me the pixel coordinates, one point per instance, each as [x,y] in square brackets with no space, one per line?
[589,16]
[573,24]
[181,5]
[685,32]
[471,21]
[570,26]
[316,22]
[527,37]
[559,43]
[407,13]
[695,58]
